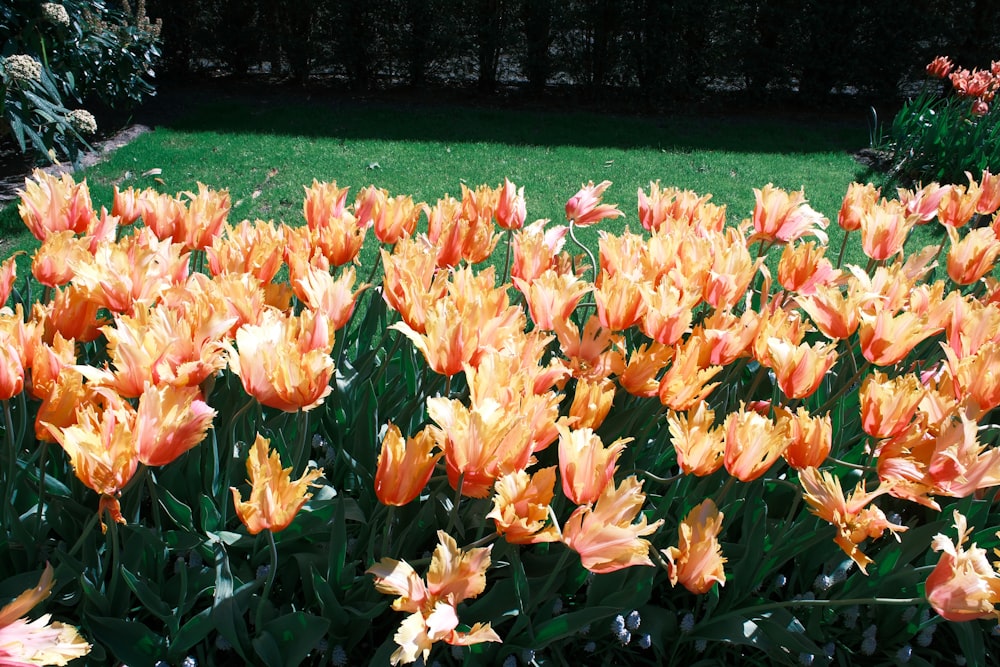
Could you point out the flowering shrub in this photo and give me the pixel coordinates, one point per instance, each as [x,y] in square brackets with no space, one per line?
[943,134]
[231,450]
[57,55]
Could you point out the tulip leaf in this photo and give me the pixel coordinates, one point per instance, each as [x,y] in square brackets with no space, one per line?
[178,512]
[625,589]
[192,632]
[567,625]
[129,640]
[287,640]
[146,595]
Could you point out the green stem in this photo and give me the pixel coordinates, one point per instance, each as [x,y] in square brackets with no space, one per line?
[453,516]
[44,447]
[301,454]
[83,534]
[752,612]
[506,259]
[8,422]
[390,519]
[269,583]
[593,262]
[844,388]
[843,247]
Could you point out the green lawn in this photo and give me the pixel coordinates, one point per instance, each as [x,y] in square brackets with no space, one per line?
[265,152]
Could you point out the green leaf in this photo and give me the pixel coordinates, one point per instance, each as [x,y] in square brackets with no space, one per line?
[192,632]
[131,641]
[147,596]
[178,512]
[568,625]
[294,636]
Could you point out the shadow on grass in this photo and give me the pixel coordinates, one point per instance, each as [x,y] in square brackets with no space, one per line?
[329,116]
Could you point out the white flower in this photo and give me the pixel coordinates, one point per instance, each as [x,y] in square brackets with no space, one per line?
[22,67]
[82,121]
[55,13]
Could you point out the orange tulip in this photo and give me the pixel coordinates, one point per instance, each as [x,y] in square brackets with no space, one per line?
[974,378]
[284,362]
[404,466]
[552,297]
[860,198]
[776,321]
[833,310]
[668,310]
[51,264]
[731,270]
[727,337]
[329,297]
[535,249]
[135,270]
[753,443]
[697,562]
[619,300]
[410,284]
[204,217]
[274,498]
[521,507]
[960,464]
[511,211]
[644,364]
[593,353]
[455,575]
[100,445]
[888,405]
[923,204]
[686,382]
[972,257]
[47,361]
[169,421]
[592,401]
[70,314]
[38,642]
[323,203]
[125,206]
[803,268]
[49,204]
[958,204]
[697,441]
[964,586]
[162,214]
[585,207]
[800,369]
[397,218]
[887,339]
[623,253]
[810,439]
[480,443]
[884,229]
[851,516]
[8,276]
[586,465]
[781,217]
[604,535]
[11,369]
[59,405]
[670,205]
[989,196]
[256,248]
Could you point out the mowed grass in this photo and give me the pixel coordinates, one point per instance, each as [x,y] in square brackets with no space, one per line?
[265,151]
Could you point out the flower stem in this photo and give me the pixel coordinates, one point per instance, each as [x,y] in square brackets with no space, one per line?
[8,424]
[843,247]
[265,596]
[593,262]
[301,443]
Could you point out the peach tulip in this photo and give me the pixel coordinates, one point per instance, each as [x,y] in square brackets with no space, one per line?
[619,300]
[687,380]
[811,439]
[50,204]
[535,249]
[753,443]
[404,466]
[884,229]
[454,575]
[585,208]
[39,642]
[274,498]
[697,562]
[323,203]
[887,339]
[521,507]
[585,464]
[170,421]
[510,211]
[781,217]
[604,535]
[697,441]
[972,257]
[799,369]
[803,268]
[592,401]
[963,586]
[860,198]
[888,405]
[852,516]
[255,248]
[552,297]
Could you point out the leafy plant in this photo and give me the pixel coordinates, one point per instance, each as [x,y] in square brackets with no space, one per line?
[943,133]
[60,55]
[633,457]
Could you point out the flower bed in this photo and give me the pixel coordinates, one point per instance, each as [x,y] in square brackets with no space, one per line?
[233,444]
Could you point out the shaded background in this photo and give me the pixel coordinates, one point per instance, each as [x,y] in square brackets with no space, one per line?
[650,55]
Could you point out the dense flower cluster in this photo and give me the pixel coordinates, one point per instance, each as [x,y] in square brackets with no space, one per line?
[740,367]
[21,67]
[82,121]
[978,85]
